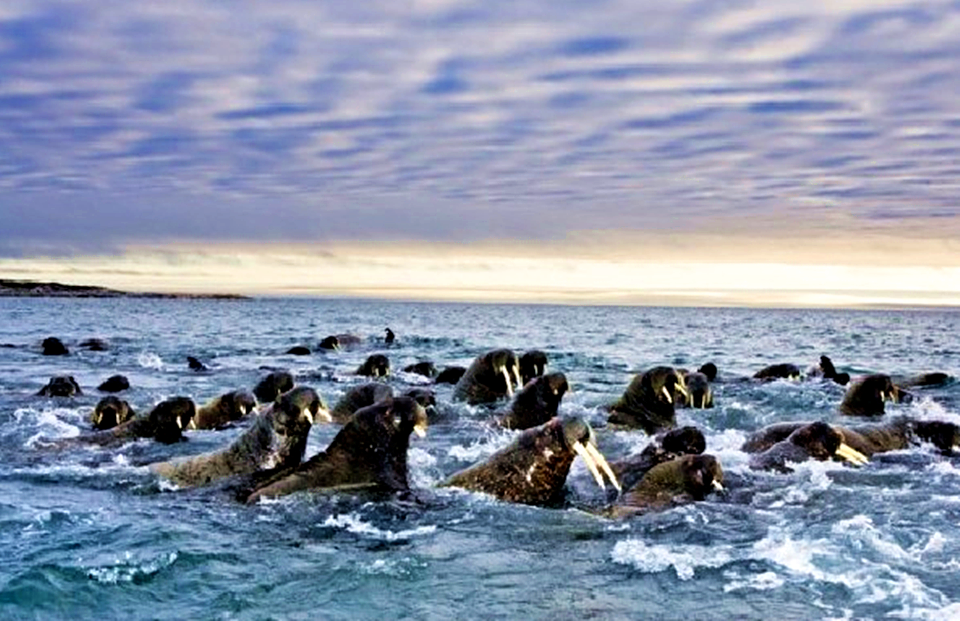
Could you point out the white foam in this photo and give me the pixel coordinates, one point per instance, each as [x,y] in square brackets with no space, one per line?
[684,559]
[480,449]
[420,463]
[352,523]
[149,360]
[126,569]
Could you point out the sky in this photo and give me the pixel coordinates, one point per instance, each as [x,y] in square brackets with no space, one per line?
[706,152]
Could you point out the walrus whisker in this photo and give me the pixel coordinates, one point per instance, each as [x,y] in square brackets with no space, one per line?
[602,462]
[591,464]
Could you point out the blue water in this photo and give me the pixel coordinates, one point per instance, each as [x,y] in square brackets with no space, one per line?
[90,533]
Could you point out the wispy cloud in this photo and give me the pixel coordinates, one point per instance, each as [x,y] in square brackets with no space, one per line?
[447,120]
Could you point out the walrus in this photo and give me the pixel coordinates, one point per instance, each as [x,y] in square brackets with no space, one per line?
[299,350]
[870,438]
[94,344]
[61,386]
[784,370]
[376,365]
[866,396]
[648,402]
[272,386]
[532,364]
[665,446]
[277,439]
[330,343]
[450,375]
[424,368]
[369,452]
[389,336]
[710,370]
[52,346]
[491,376]
[114,383]
[698,394]
[826,370]
[923,380]
[195,364]
[223,410]
[536,403]
[165,423]
[816,440]
[359,397]
[533,469]
[110,412]
[677,481]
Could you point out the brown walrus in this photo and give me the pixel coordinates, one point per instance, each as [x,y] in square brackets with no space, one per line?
[110,412]
[369,452]
[490,377]
[678,481]
[536,403]
[771,450]
[648,402]
[867,395]
[223,410]
[533,469]
[276,439]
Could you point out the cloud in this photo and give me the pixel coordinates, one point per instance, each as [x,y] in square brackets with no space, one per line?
[453,121]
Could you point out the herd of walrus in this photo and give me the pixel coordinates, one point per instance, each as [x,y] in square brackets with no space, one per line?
[369,452]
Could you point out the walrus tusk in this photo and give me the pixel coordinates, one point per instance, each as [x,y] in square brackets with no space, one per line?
[179,422]
[307,415]
[506,377]
[717,486]
[682,387]
[666,393]
[851,454]
[516,375]
[883,396]
[420,429]
[322,414]
[591,464]
[602,462]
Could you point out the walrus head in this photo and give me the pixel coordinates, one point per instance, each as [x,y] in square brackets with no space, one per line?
[532,364]
[330,343]
[61,386]
[110,412]
[685,478]
[648,402]
[376,365]
[710,370]
[866,397]
[292,415]
[533,469]
[537,402]
[816,440]
[169,418]
[272,386]
[699,394]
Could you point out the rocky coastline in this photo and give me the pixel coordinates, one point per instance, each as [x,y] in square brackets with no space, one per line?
[36,289]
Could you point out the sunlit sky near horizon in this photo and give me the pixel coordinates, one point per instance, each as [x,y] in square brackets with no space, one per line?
[733,152]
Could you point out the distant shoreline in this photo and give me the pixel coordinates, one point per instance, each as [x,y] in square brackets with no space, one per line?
[37,289]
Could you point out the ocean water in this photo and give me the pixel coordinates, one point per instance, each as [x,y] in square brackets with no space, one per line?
[90,533]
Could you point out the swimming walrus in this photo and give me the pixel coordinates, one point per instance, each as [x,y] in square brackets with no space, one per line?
[866,396]
[450,375]
[698,394]
[424,368]
[826,370]
[490,377]
[110,412]
[376,365]
[677,481]
[784,370]
[272,386]
[536,403]
[114,383]
[61,386]
[359,397]
[665,446]
[52,346]
[817,440]
[532,364]
[369,452]
[648,402]
[224,410]
[165,423]
[533,469]
[277,439]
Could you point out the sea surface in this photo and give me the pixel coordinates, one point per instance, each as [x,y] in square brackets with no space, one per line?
[90,533]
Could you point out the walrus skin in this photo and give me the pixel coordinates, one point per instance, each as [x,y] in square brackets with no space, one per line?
[425,368]
[450,375]
[648,402]
[223,410]
[52,346]
[816,440]
[533,469]
[681,480]
[110,412]
[272,386]
[359,397]
[866,396]
[370,452]
[61,386]
[164,423]
[783,370]
[665,446]
[536,403]
[376,365]
[532,364]
[276,439]
[490,377]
